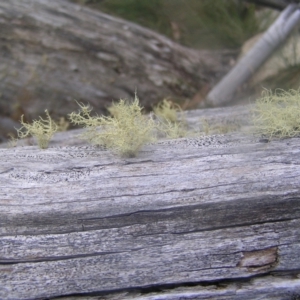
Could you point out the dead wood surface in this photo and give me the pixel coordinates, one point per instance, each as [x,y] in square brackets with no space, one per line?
[53,52]
[193,218]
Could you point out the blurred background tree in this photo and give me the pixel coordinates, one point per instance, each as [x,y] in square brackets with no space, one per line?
[202,24]
[216,25]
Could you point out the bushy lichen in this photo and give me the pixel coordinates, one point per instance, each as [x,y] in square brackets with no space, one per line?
[13,141]
[277,115]
[62,124]
[42,130]
[167,110]
[170,121]
[125,132]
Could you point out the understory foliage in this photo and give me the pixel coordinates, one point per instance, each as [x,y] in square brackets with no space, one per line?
[125,132]
[194,23]
[278,114]
[42,130]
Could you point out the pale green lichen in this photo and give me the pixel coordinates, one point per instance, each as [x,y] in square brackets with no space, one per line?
[125,132]
[42,130]
[277,115]
[170,118]
[13,141]
[167,110]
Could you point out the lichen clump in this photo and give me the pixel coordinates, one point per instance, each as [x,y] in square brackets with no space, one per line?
[125,132]
[42,130]
[277,115]
[171,122]
[167,110]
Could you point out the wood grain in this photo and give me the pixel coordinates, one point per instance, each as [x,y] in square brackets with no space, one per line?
[78,220]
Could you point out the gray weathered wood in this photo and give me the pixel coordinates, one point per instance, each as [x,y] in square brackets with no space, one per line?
[53,52]
[76,219]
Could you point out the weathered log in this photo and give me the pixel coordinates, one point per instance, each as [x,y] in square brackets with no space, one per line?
[276,4]
[194,217]
[53,52]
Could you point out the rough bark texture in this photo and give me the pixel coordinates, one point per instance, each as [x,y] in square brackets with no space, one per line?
[193,218]
[53,52]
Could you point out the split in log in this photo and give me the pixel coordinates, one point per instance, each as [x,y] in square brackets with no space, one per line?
[187,216]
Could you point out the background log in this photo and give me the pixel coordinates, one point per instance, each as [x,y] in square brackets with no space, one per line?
[194,217]
[53,52]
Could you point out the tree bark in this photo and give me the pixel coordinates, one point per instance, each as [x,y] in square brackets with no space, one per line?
[186,216]
[53,52]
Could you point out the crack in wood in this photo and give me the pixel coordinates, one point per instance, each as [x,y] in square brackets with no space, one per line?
[60,258]
[260,260]
[196,290]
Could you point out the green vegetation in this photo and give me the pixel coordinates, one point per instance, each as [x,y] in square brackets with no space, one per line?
[42,130]
[194,23]
[278,114]
[150,14]
[125,132]
[222,23]
[62,124]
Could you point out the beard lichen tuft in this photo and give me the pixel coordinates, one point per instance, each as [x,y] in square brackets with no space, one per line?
[42,130]
[125,132]
[167,111]
[277,115]
[170,119]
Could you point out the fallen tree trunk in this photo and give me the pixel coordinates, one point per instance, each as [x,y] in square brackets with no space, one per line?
[195,217]
[53,52]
